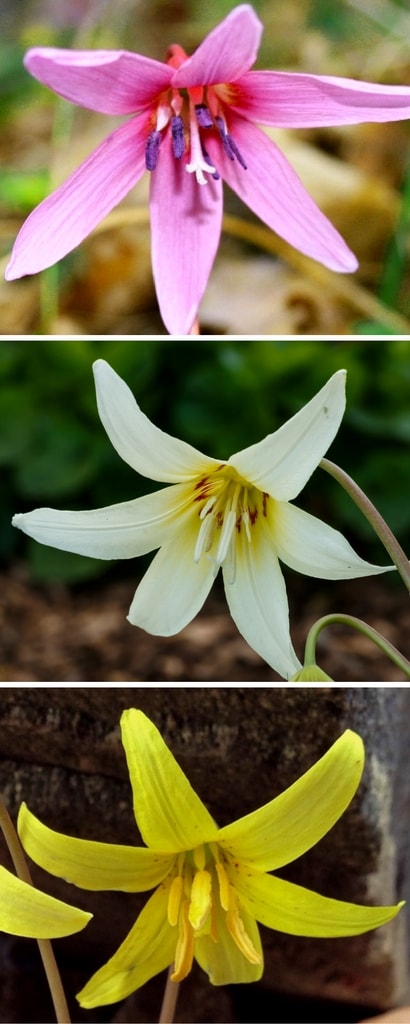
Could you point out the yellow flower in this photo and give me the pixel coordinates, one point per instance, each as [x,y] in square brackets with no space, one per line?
[212,885]
[26,911]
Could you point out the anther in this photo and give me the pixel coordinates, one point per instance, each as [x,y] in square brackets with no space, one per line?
[203,115]
[177,134]
[229,143]
[152,150]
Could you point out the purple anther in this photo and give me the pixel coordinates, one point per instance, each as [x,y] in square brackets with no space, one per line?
[203,115]
[229,143]
[152,149]
[177,134]
[206,156]
[236,152]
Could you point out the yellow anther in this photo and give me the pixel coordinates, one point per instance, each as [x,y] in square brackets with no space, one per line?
[174,899]
[224,889]
[236,928]
[201,899]
[184,953]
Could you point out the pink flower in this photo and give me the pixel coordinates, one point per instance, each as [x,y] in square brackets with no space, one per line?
[195,126]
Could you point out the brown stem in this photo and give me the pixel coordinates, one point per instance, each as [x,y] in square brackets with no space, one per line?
[44,945]
[170,999]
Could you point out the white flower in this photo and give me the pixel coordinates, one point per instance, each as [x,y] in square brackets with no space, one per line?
[235,515]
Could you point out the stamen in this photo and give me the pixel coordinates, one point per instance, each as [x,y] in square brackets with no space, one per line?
[203,114]
[229,143]
[236,928]
[152,150]
[206,156]
[184,953]
[199,857]
[201,899]
[174,899]
[223,885]
[177,134]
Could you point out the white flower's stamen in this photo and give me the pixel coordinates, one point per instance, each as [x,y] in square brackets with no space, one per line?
[228,527]
[198,164]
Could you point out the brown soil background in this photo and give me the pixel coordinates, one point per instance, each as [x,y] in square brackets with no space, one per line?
[49,633]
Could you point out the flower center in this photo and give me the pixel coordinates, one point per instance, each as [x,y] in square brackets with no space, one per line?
[188,116]
[230,507]
[199,893]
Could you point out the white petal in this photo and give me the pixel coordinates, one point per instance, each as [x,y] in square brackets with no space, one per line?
[174,587]
[282,463]
[258,603]
[125,530]
[316,549]
[141,444]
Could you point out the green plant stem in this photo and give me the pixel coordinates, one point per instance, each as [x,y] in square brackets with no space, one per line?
[170,999]
[44,945]
[363,627]
[376,520]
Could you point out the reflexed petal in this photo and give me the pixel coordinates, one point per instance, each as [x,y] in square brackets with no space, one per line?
[226,53]
[170,815]
[288,100]
[174,587]
[126,530]
[107,81]
[295,820]
[148,949]
[272,189]
[223,961]
[298,911]
[26,911]
[185,230]
[146,448]
[282,463]
[89,864]
[258,603]
[316,549]
[64,219]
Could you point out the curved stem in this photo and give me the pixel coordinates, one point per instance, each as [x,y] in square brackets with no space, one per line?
[44,945]
[376,520]
[169,1000]
[363,627]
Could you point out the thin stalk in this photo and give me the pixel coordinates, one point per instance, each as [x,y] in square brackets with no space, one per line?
[372,515]
[170,999]
[44,945]
[363,627]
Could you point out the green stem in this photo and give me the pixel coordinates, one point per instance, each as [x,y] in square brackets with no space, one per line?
[351,620]
[169,1000]
[44,945]
[376,520]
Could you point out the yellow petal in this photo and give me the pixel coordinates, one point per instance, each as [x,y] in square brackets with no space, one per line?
[170,815]
[291,908]
[295,820]
[148,949]
[89,864]
[26,911]
[222,960]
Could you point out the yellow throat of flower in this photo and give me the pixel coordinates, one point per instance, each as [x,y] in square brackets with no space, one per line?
[229,506]
[200,884]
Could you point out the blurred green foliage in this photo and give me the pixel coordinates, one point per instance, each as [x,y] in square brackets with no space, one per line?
[218,395]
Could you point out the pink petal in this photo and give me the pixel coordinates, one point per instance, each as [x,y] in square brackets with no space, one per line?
[272,189]
[288,100]
[64,219]
[226,53]
[108,81]
[186,226]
